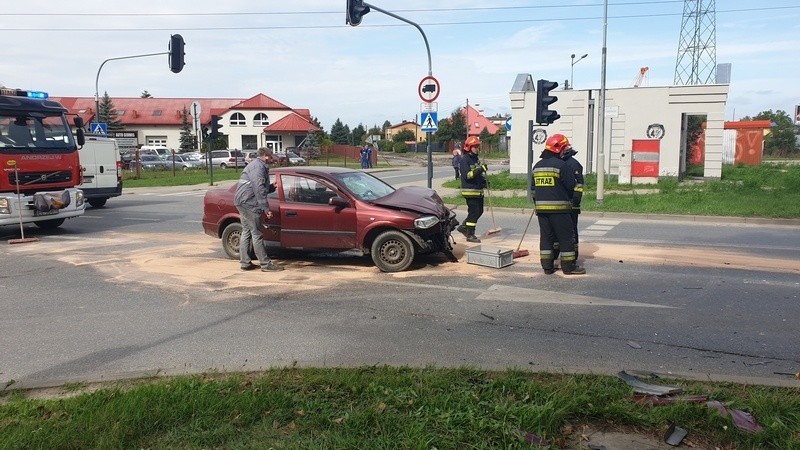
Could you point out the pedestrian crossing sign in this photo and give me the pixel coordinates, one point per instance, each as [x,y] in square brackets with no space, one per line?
[98,128]
[428,122]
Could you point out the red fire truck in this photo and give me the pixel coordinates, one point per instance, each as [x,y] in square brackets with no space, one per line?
[39,166]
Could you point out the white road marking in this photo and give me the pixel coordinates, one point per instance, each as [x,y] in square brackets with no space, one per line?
[600,228]
[526,295]
[500,292]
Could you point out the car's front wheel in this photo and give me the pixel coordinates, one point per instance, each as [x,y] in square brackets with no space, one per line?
[231,237]
[392,251]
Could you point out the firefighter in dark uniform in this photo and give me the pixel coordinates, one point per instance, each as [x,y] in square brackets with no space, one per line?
[473,181]
[577,194]
[554,185]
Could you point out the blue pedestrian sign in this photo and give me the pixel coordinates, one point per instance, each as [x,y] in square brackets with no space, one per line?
[428,122]
[98,128]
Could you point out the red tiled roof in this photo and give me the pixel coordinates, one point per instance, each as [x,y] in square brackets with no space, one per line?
[166,111]
[473,116]
[292,123]
[260,101]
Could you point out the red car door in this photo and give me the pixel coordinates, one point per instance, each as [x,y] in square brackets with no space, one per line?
[308,221]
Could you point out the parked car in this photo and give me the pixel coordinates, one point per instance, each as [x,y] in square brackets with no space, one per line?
[227,158]
[150,162]
[184,162]
[295,159]
[250,156]
[336,208]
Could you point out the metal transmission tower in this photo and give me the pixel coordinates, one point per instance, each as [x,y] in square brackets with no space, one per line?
[697,50]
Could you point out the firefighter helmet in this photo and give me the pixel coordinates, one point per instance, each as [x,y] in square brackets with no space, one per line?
[557,143]
[472,141]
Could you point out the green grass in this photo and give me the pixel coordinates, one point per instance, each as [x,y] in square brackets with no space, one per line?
[763,191]
[382,407]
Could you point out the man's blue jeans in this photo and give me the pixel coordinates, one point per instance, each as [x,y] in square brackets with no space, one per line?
[252,229]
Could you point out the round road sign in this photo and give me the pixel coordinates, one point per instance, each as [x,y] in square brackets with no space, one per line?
[428,89]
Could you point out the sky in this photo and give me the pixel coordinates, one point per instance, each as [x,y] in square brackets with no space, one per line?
[301,53]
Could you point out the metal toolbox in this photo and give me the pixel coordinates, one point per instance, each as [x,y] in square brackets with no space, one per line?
[483,255]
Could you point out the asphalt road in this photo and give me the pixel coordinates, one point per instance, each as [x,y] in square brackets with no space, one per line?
[135,288]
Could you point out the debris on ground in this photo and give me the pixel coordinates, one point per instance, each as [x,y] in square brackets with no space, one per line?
[675,435]
[741,419]
[645,388]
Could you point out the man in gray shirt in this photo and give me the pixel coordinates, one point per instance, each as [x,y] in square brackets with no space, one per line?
[251,201]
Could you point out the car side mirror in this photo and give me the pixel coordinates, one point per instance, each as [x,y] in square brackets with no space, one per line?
[338,202]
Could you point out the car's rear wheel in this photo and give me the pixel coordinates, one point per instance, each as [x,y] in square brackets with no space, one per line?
[97,202]
[223,166]
[392,251]
[231,237]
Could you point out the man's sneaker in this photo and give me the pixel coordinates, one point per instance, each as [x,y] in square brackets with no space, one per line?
[463,230]
[472,238]
[271,267]
[250,266]
[574,271]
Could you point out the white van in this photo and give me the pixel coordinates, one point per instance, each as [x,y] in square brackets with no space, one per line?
[102,170]
[158,150]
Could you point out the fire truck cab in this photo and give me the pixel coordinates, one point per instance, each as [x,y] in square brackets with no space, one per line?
[39,163]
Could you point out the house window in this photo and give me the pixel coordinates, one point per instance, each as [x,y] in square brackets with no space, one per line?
[249,142]
[157,112]
[160,141]
[237,120]
[260,120]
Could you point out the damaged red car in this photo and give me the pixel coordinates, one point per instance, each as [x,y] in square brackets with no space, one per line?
[332,208]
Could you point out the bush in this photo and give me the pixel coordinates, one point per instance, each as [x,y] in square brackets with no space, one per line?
[400,147]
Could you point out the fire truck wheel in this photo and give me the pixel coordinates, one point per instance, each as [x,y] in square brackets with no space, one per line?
[49,224]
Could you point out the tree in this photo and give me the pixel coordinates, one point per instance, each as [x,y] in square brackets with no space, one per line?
[489,141]
[452,129]
[404,136]
[340,133]
[188,138]
[145,94]
[108,114]
[781,139]
[358,134]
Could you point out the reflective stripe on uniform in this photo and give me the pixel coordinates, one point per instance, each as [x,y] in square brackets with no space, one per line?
[553,205]
[472,193]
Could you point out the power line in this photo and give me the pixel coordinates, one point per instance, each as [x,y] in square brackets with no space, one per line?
[286,13]
[433,24]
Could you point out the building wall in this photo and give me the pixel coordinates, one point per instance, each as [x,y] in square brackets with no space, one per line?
[639,113]
[414,127]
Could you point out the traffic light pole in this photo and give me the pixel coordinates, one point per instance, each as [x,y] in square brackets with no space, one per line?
[601,117]
[430,73]
[97,80]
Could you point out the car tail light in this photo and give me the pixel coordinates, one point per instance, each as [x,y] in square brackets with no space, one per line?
[231,159]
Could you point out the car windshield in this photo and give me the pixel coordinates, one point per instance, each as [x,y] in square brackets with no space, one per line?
[364,186]
[292,155]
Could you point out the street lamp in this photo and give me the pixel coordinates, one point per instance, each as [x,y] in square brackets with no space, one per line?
[572,66]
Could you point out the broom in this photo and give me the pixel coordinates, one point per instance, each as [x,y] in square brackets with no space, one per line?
[520,253]
[495,229]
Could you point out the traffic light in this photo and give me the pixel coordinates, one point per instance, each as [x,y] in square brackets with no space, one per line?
[176,53]
[545,116]
[356,9]
[215,126]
